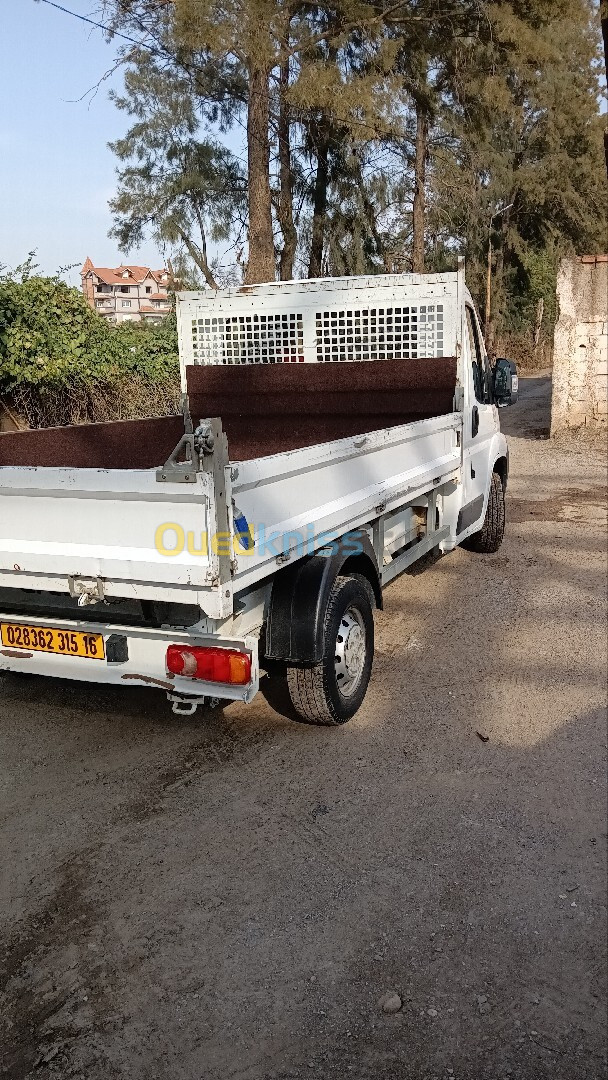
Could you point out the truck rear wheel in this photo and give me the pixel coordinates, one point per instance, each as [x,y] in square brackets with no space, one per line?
[490,536]
[332,691]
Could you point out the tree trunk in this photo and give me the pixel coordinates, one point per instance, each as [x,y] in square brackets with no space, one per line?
[494,326]
[418,210]
[538,322]
[285,211]
[319,214]
[260,264]
[496,285]
[199,258]
[370,217]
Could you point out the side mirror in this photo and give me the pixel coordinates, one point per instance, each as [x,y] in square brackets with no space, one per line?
[505,382]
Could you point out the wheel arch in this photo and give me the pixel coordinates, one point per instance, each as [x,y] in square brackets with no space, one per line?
[366,566]
[294,624]
[501,466]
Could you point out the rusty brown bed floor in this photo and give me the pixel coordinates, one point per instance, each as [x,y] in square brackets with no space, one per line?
[265,409]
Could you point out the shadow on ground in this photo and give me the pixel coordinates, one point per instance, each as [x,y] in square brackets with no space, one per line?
[230,895]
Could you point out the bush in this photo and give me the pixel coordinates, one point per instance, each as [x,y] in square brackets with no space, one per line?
[61,362]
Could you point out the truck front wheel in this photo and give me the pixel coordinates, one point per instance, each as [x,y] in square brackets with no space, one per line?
[331,691]
[489,538]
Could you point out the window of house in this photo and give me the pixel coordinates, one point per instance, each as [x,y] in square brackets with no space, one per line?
[126,303]
[148,288]
[125,288]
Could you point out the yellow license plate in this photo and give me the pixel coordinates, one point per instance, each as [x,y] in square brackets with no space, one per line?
[46,639]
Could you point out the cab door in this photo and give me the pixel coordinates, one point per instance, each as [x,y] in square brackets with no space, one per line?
[479,428]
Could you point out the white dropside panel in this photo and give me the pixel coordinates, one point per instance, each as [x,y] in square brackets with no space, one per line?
[297,502]
[330,319]
[91,523]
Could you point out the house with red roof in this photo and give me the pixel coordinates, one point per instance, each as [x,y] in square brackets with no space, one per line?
[126,293]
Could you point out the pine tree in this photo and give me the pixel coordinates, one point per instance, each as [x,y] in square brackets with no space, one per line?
[378,135]
[282,63]
[173,184]
[522,127]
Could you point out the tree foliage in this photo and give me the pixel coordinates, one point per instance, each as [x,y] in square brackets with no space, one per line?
[316,138]
[173,185]
[51,338]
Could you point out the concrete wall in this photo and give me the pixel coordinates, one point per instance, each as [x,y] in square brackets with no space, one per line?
[580,352]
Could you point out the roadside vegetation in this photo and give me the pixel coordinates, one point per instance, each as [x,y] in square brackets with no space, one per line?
[281,139]
[62,363]
[351,137]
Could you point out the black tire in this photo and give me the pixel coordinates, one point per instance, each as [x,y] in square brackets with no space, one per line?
[316,692]
[489,538]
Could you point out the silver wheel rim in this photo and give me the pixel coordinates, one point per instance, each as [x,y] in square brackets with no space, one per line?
[350,651]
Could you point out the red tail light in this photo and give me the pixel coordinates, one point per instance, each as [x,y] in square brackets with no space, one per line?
[210,664]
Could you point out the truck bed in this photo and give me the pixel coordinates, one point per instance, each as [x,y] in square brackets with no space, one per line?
[270,408]
[89,524]
[313,449]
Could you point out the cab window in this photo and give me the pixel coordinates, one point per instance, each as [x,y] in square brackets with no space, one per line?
[481,375]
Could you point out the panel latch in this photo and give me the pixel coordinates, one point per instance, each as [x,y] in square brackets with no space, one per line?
[86,592]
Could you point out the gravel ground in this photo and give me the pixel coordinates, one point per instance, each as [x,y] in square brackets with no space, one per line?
[231,897]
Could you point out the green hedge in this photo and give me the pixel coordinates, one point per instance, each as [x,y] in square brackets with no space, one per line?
[53,345]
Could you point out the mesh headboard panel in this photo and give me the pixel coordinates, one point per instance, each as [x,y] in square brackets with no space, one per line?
[380,333]
[248,339]
[335,320]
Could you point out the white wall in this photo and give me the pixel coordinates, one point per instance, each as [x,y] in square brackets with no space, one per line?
[580,352]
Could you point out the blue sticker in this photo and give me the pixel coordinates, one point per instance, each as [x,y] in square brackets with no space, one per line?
[242,530]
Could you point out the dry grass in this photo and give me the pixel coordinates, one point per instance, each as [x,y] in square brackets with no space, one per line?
[520,348]
[128,400]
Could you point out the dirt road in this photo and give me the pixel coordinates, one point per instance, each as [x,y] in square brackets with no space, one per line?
[229,897]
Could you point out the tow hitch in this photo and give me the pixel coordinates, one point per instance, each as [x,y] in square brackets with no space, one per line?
[186,706]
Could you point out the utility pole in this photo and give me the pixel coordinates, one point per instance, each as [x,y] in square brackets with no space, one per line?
[488,306]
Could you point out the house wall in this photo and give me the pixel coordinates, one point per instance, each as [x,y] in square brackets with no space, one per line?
[580,353]
[141,306]
[88,288]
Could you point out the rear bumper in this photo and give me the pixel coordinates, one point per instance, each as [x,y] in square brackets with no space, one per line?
[145,665]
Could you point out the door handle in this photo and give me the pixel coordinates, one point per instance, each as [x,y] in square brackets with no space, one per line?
[474,421]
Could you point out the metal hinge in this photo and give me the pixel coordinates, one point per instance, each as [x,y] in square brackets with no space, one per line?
[176,470]
[183,464]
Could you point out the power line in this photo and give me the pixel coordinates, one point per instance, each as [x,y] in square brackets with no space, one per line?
[158,52]
[100,26]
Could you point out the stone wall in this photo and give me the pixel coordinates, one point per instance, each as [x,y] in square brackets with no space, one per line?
[580,352]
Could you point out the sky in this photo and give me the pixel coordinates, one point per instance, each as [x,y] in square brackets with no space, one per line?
[56,171]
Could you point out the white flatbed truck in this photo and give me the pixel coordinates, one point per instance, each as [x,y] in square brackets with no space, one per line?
[334,432]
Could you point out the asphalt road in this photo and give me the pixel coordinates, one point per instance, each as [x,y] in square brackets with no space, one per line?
[229,897]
